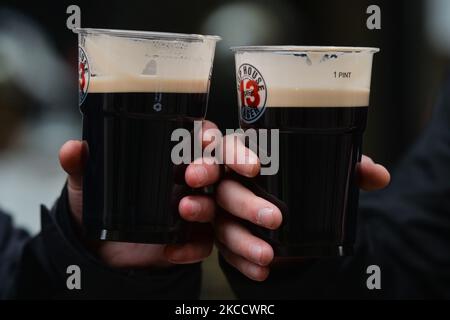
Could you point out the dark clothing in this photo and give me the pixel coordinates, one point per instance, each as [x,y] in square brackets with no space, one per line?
[36,268]
[404,229]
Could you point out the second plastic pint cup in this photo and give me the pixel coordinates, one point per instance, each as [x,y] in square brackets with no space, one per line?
[136,88]
[317,97]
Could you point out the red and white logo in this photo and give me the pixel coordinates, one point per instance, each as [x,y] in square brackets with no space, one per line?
[252,92]
[83,75]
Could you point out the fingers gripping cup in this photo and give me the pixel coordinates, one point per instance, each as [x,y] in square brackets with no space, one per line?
[317,97]
[136,88]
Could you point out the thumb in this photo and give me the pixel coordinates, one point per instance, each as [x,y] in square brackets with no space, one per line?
[72,157]
[372,176]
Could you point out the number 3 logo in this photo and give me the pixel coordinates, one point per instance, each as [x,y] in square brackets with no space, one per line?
[252,92]
[252,87]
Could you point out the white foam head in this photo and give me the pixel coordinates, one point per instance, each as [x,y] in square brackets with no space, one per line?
[311,76]
[142,83]
[121,61]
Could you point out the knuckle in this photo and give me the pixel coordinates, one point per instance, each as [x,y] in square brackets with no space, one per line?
[243,207]
[221,187]
[250,209]
[222,190]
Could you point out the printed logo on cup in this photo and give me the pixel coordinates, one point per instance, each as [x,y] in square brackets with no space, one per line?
[252,92]
[83,75]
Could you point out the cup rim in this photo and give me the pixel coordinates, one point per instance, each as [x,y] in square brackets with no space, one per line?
[150,35]
[303,49]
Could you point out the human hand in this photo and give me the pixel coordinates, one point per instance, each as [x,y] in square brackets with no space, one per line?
[198,208]
[238,246]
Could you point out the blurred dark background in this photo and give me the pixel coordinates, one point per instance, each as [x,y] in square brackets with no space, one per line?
[38,74]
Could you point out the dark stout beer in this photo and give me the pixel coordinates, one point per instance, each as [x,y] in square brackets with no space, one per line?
[316,185]
[131,188]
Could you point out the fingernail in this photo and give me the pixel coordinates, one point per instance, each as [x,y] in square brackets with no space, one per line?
[200,173]
[194,207]
[256,253]
[265,217]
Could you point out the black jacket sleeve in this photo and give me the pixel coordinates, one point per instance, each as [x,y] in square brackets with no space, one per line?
[37,268]
[12,241]
[404,229]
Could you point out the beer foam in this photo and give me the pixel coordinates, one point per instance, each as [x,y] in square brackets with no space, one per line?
[144,83]
[317,97]
[308,76]
[121,64]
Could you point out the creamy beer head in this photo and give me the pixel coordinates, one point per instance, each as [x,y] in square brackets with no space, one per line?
[146,84]
[128,61]
[303,76]
[315,97]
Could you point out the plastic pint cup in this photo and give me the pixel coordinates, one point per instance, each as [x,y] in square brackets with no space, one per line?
[136,88]
[317,97]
